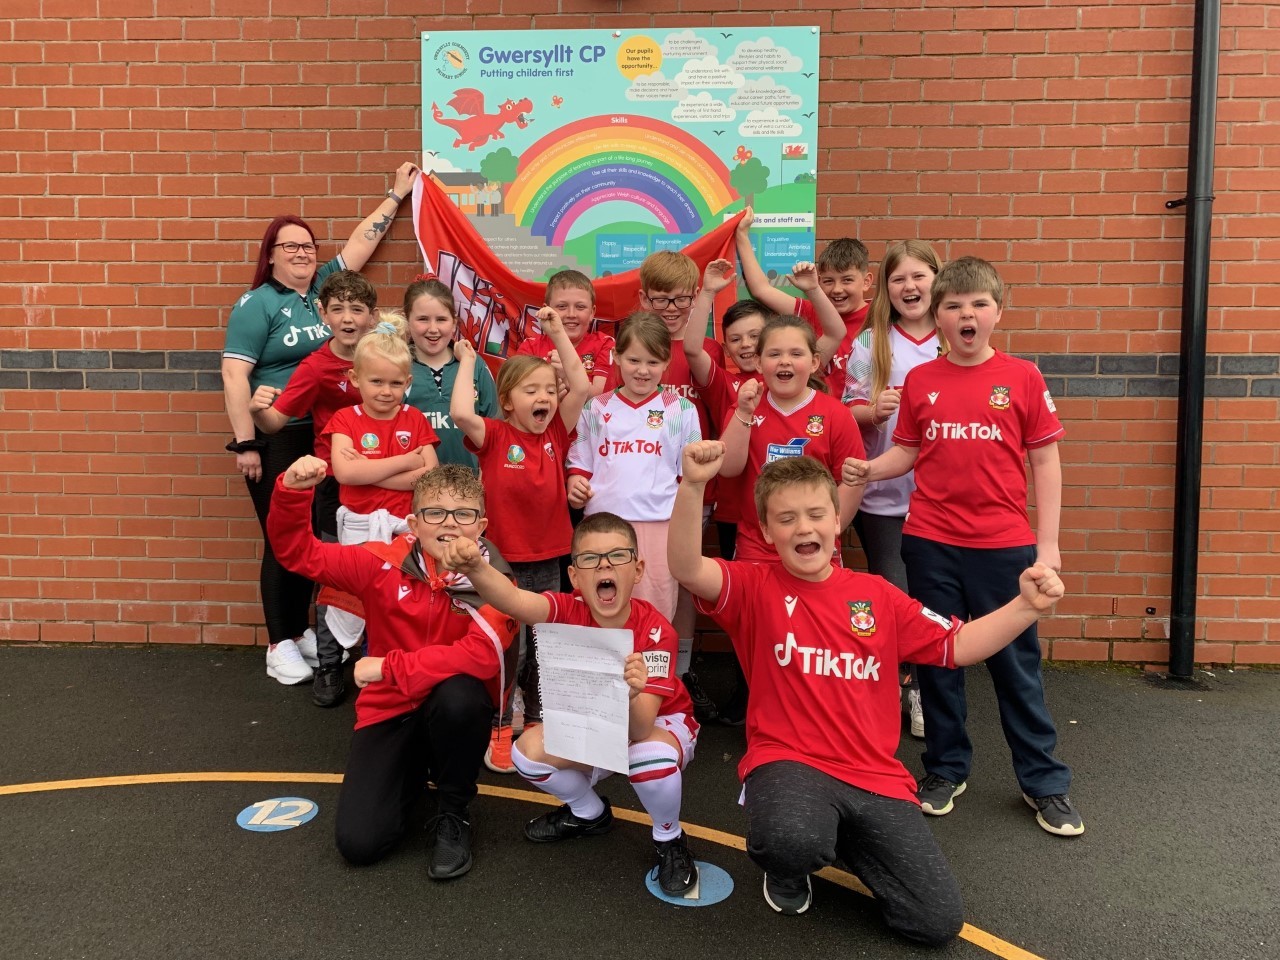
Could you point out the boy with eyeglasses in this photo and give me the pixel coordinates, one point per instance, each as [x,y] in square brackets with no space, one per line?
[662,730]
[439,660]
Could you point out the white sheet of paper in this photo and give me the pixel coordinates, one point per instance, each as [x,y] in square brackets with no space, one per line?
[585,703]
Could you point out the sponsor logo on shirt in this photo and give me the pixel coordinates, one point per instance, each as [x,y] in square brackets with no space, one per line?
[933,397]
[244,299]
[402,438]
[999,398]
[607,417]
[515,454]
[860,618]
[616,447]
[402,591]
[658,663]
[288,312]
[780,451]
[684,390]
[790,604]
[939,619]
[369,441]
[962,431]
[814,428]
[654,420]
[342,384]
[1048,402]
[821,662]
[757,420]
[655,635]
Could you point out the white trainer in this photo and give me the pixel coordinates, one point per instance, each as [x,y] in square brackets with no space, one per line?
[307,647]
[917,714]
[285,663]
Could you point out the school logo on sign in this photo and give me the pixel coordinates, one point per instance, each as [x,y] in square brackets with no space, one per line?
[369,441]
[1000,398]
[654,420]
[814,429]
[515,454]
[860,619]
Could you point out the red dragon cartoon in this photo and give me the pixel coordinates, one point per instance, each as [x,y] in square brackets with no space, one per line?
[475,127]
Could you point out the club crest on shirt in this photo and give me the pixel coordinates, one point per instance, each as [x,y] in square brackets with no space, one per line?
[860,619]
[402,438]
[999,398]
[588,362]
[654,420]
[369,441]
[814,429]
[515,454]
[551,451]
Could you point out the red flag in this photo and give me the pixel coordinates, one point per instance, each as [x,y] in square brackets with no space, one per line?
[496,306]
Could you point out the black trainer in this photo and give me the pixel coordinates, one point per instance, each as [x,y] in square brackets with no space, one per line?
[1057,814]
[561,824]
[677,873]
[451,854]
[937,794]
[328,688]
[704,708]
[734,712]
[788,897]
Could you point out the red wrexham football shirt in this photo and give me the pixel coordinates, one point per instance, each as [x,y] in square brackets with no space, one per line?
[974,426]
[319,386]
[595,350]
[820,427]
[836,370]
[376,440]
[524,486]
[653,636]
[822,663]
[721,398]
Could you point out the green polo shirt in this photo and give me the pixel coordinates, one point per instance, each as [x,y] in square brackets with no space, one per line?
[273,327]
[434,402]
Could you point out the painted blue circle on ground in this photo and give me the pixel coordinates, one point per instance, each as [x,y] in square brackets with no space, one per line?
[714,885]
[276,814]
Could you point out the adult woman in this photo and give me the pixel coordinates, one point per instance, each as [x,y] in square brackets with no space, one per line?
[271,328]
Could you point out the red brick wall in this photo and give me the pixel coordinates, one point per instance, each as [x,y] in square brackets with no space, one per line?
[145,151]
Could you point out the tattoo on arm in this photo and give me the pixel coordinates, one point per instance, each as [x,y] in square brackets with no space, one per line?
[378,228]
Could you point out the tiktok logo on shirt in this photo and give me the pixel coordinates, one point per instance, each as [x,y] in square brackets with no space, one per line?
[963,431]
[821,662]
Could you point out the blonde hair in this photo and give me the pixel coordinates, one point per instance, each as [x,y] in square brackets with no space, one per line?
[882,316]
[668,271]
[646,329]
[792,322]
[388,340]
[513,372]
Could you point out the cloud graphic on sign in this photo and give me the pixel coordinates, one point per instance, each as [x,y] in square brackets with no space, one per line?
[709,72]
[768,123]
[435,164]
[702,108]
[686,44]
[764,92]
[761,56]
[654,86]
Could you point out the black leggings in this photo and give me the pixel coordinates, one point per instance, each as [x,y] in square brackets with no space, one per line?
[286,596]
[390,762]
[799,820]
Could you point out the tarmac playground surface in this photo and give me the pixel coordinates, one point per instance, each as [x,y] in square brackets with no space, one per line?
[123,772]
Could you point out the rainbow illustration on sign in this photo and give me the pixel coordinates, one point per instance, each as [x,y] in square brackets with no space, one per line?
[618,158]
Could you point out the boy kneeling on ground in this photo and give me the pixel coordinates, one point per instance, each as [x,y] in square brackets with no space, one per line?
[820,647]
[438,658]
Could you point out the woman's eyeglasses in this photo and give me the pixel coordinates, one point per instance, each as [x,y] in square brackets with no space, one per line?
[291,248]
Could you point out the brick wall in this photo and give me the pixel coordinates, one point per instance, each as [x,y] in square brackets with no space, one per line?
[144,152]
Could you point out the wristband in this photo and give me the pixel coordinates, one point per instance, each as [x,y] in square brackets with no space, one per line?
[391,194]
[244,446]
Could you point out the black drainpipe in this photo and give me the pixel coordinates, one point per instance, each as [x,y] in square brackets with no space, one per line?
[1195,307]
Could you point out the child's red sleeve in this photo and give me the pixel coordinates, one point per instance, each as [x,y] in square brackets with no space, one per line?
[296,547]
[415,673]
[299,394]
